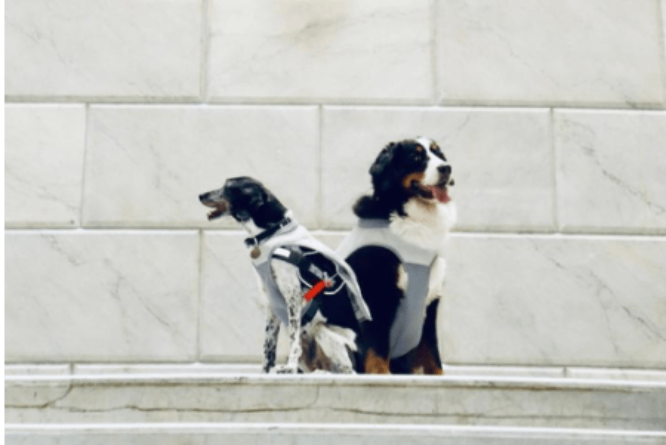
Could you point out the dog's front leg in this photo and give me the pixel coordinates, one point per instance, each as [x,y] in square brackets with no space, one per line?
[270,340]
[286,278]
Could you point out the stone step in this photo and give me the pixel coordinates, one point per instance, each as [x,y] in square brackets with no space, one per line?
[319,434]
[324,398]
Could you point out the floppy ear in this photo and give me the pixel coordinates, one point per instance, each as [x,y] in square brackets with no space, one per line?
[256,201]
[382,178]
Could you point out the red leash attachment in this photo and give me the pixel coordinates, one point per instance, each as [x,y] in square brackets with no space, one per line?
[316,289]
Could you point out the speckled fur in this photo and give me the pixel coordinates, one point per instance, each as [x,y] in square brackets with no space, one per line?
[317,346]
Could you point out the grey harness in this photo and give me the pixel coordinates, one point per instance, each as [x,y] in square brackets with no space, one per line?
[407,327]
[295,235]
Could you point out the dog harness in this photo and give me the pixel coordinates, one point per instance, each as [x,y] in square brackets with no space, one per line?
[407,327]
[322,272]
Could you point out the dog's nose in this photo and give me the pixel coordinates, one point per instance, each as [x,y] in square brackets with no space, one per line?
[444,169]
[202,197]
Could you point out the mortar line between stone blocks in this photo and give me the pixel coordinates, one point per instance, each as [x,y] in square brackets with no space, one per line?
[554,159]
[102,102]
[197,351]
[319,156]
[434,69]
[657,236]
[86,136]
[661,26]
[205,50]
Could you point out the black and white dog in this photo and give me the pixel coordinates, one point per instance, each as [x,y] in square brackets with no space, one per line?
[309,287]
[396,251]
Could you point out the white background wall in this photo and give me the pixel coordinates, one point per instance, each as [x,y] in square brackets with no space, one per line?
[120,113]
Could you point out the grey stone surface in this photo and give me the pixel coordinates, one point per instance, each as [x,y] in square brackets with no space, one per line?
[526,402]
[547,300]
[100,296]
[535,52]
[126,49]
[290,434]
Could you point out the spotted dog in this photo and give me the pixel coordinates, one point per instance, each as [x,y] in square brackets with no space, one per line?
[397,252]
[310,288]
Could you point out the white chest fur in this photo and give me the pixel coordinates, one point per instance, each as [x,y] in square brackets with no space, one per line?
[427,225]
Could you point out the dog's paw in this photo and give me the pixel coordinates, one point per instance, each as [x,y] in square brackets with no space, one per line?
[286,369]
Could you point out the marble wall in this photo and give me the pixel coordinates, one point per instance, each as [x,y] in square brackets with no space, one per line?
[119,114]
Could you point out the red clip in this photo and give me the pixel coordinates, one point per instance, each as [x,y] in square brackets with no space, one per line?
[315,290]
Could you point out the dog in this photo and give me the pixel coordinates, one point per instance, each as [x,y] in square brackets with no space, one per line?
[309,287]
[397,253]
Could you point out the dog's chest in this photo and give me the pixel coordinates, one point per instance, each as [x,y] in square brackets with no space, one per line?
[426,226]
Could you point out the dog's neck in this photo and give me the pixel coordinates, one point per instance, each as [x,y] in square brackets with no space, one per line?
[426,224]
[253,229]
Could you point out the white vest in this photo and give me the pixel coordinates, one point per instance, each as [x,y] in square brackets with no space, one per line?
[293,234]
[407,327]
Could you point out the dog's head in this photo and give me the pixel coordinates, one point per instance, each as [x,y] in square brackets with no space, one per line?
[246,200]
[409,169]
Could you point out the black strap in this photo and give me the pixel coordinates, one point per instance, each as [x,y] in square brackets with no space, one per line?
[309,272]
[249,242]
[312,310]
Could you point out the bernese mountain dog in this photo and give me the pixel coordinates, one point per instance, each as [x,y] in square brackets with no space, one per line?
[396,251]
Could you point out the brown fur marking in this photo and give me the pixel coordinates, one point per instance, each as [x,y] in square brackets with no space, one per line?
[313,356]
[374,364]
[407,181]
[424,358]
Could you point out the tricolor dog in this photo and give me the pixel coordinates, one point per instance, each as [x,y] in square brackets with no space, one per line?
[396,251]
[309,287]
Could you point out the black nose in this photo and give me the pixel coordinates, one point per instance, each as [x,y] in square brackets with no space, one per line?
[444,169]
[202,197]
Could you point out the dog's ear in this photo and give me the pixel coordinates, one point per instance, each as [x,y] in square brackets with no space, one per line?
[256,200]
[382,176]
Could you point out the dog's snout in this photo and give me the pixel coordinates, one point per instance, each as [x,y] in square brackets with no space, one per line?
[203,197]
[444,169]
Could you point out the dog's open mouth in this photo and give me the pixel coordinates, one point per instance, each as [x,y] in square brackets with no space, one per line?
[440,191]
[220,208]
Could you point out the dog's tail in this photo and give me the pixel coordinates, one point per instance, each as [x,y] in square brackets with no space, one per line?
[336,343]
[327,334]
[368,207]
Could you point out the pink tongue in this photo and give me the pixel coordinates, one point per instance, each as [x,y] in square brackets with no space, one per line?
[442,195]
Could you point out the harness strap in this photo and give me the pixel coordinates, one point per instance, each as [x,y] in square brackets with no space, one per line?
[311,273]
[254,241]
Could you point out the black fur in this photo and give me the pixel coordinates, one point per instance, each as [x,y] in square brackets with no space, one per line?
[248,198]
[372,266]
[376,268]
[245,198]
[395,161]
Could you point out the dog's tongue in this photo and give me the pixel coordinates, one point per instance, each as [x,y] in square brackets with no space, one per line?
[441,194]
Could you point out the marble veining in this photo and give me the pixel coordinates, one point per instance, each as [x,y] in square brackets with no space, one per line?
[100,296]
[44,150]
[131,50]
[610,171]
[569,53]
[358,51]
[501,160]
[170,155]
[555,301]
